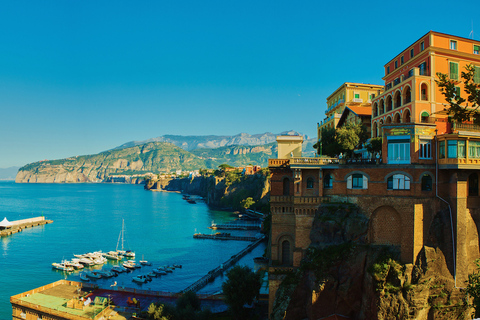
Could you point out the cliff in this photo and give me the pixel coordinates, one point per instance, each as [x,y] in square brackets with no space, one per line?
[221,192]
[343,275]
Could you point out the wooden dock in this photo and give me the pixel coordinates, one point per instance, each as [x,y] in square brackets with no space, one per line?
[19,225]
[223,236]
[237,225]
[212,274]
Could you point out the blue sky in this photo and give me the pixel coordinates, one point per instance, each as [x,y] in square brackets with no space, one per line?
[81,77]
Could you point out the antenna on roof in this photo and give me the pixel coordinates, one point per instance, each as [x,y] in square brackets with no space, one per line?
[471,32]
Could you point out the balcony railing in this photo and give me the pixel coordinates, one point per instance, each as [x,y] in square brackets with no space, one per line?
[313,161]
[466,127]
[274,199]
[278,162]
[459,161]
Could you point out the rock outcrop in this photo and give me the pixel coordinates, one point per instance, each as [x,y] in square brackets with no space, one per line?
[344,275]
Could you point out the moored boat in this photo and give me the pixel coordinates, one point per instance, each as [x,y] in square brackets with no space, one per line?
[83,277]
[119,269]
[94,274]
[141,279]
[62,266]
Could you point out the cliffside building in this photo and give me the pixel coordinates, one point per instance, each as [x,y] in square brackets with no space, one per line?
[429,164]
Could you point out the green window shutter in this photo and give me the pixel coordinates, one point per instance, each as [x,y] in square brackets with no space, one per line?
[476,49]
[457,92]
[476,77]
[453,71]
[357,95]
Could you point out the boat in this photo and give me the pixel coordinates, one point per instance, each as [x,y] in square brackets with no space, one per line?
[84,277]
[159,271]
[62,266]
[144,262]
[128,265]
[107,273]
[191,201]
[113,255]
[141,279]
[177,266]
[122,251]
[119,269]
[152,274]
[94,274]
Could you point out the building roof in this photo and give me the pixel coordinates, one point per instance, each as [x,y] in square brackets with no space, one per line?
[360,112]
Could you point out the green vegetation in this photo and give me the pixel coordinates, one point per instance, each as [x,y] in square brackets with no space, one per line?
[473,288]
[452,93]
[375,145]
[342,140]
[247,203]
[240,289]
[187,307]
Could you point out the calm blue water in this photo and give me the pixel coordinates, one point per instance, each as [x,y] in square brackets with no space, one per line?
[88,217]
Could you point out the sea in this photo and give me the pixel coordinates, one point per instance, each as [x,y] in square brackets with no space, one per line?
[159,227]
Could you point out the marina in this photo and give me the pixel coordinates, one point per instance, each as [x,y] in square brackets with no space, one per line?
[10,227]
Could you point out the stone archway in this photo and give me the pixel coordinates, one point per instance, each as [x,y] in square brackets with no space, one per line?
[385,227]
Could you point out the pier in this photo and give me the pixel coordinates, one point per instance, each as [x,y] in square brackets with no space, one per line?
[223,236]
[19,225]
[237,225]
[212,274]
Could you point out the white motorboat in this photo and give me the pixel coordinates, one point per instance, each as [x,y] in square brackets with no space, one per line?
[141,279]
[62,266]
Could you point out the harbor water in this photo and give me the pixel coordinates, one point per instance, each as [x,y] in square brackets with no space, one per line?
[159,226]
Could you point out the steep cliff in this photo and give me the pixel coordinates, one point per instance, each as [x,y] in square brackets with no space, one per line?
[344,275]
[220,191]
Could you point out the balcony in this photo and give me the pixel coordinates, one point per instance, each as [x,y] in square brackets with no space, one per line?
[312,162]
[357,100]
[278,162]
[459,163]
[280,199]
[459,127]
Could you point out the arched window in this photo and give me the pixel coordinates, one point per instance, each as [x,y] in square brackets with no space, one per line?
[382,107]
[424,92]
[398,182]
[407,97]
[286,187]
[388,120]
[406,116]
[327,182]
[389,103]
[375,109]
[286,252]
[398,99]
[357,181]
[310,183]
[396,118]
[374,130]
[473,184]
[424,116]
[426,182]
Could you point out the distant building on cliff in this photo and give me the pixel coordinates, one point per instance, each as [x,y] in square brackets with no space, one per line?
[428,164]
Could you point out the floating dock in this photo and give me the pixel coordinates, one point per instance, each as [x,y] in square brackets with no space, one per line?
[223,236]
[237,225]
[19,225]
[212,274]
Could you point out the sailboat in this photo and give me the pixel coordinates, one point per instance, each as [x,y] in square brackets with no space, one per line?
[122,251]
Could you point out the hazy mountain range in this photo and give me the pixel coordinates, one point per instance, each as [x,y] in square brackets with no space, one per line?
[8,173]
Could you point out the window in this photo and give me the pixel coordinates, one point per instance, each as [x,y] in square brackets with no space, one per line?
[286,187]
[461,149]
[422,46]
[372,96]
[357,181]
[441,150]
[399,149]
[396,64]
[473,184]
[357,95]
[401,60]
[423,69]
[425,149]
[453,45]
[388,69]
[424,116]
[476,49]
[451,148]
[474,149]
[398,182]
[286,252]
[327,182]
[310,183]
[457,92]
[476,76]
[411,53]
[426,182]
[453,70]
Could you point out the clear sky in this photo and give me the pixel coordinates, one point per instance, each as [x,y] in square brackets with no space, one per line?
[81,77]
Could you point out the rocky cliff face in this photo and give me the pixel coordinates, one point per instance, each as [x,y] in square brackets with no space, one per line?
[344,275]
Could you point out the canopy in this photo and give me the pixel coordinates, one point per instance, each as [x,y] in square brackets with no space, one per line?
[5,223]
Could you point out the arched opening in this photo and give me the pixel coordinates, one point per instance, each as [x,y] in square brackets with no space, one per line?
[374,130]
[388,120]
[286,261]
[473,185]
[426,182]
[286,186]
[386,227]
[382,107]
[310,183]
[424,92]
[424,117]
[396,118]
[327,181]
[389,103]
[398,99]
[375,109]
[407,96]
[406,116]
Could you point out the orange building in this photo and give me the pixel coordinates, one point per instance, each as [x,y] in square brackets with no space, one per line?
[428,164]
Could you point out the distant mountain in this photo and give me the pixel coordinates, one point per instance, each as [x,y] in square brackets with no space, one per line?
[8,173]
[202,142]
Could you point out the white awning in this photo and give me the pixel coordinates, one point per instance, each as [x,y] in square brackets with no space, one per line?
[5,223]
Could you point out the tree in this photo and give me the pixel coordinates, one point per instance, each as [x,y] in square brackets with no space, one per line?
[241,288]
[375,145]
[247,203]
[343,140]
[328,144]
[471,80]
[473,288]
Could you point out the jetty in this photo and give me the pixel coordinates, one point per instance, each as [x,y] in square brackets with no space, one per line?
[223,236]
[237,225]
[212,274]
[10,227]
